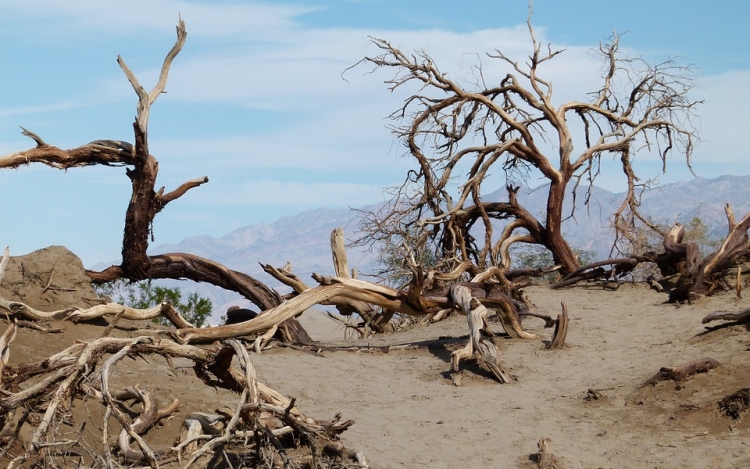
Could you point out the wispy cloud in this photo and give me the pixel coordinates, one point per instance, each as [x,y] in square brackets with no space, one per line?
[126,17]
[300,194]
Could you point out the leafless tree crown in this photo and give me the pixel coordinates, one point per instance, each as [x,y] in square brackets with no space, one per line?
[460,133]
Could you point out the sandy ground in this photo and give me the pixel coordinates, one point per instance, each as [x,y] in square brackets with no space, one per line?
[409,414]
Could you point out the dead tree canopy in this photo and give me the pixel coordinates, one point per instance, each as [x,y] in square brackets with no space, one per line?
[460,131]
[147,201]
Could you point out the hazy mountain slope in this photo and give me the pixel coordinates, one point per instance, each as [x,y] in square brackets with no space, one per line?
[704,198]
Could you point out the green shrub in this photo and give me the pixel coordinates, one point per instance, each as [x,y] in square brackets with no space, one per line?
[143,295]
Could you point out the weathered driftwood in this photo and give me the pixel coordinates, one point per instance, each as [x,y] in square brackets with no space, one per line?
[149,416]
[480,344]
[680,373]
[379,321]
[511,324]
[701,276]
[4,262]
[561,329]
[337,289]
[18,309]
[203,270]
[289,309]
[492,296]
[166,310]
[544,457]
[286,276]
[188,266]
[51,387]
[737,316]
[5,340]
[338,251]
[612,269]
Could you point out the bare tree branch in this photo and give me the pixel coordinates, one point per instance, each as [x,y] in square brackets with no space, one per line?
[458,133]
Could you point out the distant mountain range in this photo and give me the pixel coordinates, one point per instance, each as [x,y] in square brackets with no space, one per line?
[304,239]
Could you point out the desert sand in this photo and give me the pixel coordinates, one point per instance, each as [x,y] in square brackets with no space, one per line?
[409,413]
[587,397]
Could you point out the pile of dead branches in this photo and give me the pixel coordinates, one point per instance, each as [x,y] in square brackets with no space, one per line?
[63,410]
[57,399]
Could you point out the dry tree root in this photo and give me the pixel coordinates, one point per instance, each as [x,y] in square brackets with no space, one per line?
[680,373]
[561,329]
[49,397]
[736,403]
[544,457]
[737,316]
[738,284]
[480,345]
[548,320]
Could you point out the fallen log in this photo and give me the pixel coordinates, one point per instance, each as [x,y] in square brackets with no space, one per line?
[701,276]
[737,316]
[618,268]
[680,373]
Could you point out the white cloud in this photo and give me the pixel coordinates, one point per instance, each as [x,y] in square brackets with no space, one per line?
[299,194]
[125,17]
[723,117]
[6,113]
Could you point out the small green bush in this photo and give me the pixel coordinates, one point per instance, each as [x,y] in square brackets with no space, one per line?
[143,295]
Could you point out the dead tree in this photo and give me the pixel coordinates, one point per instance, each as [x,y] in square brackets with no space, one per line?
[458,133]
[703,275]
[693,273]
[146,202]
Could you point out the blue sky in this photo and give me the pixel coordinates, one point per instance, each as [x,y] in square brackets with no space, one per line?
[258,100]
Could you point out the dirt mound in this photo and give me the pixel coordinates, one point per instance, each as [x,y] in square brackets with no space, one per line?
[48,279]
